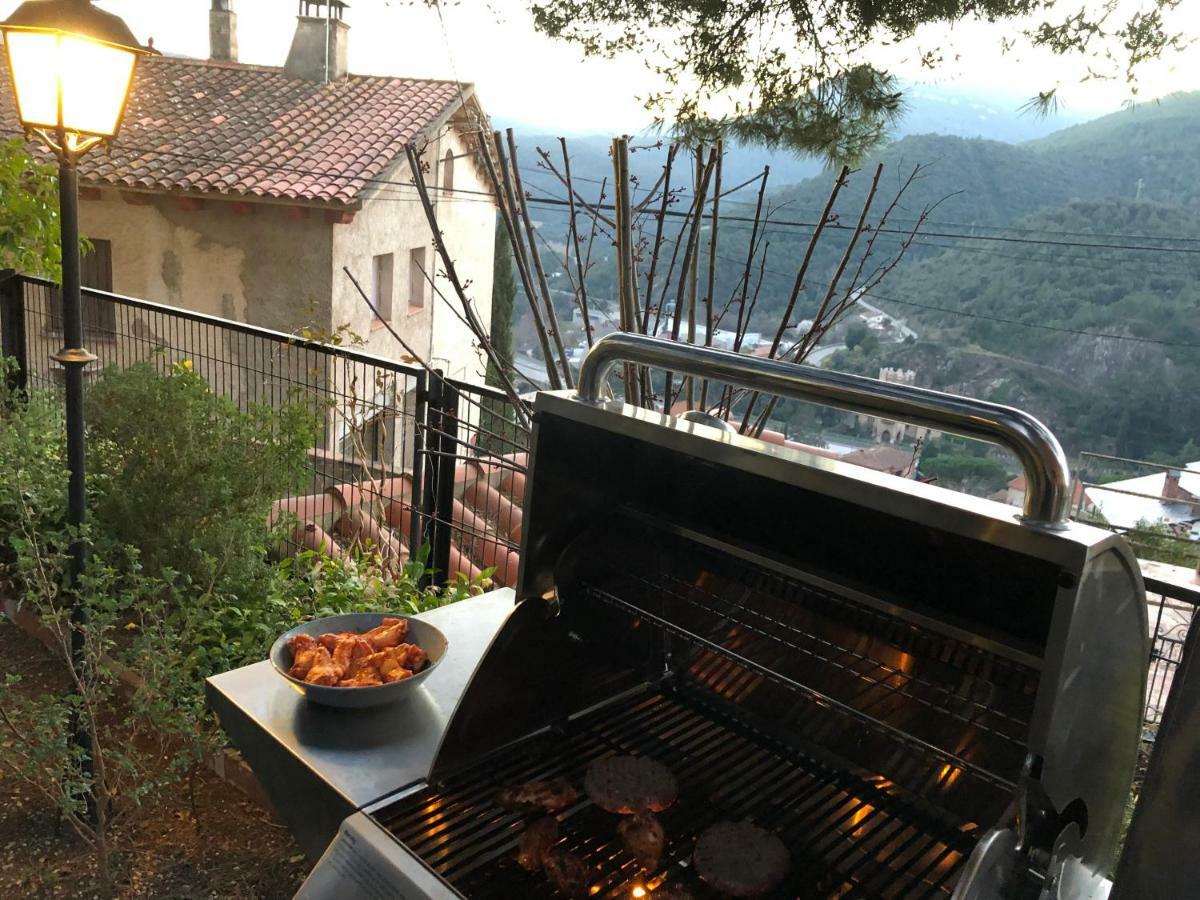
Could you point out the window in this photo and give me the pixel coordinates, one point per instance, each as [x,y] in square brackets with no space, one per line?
[448,172]
[372,440]
[95,272]
[381,286]
[375,438]
[417,281]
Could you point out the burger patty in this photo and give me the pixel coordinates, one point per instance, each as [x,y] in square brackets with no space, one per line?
[740,859]
[630,784]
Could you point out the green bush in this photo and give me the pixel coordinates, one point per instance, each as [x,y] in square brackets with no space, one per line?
[226,632]
[33,451]
[177,586]
[188,478]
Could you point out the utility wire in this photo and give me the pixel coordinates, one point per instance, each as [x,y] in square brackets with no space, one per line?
[1058,328]
[558,202]
[948,224]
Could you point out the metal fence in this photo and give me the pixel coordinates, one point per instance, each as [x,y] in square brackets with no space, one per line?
[439,462]
[1172,611]
[404,457]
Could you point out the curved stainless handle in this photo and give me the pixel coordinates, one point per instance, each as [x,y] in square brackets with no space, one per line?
[1047,476]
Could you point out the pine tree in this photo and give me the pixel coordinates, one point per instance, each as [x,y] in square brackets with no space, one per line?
[504,292]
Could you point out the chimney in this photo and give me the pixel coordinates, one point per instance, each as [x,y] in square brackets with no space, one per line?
[1171,488]
[222,31]
[319,46]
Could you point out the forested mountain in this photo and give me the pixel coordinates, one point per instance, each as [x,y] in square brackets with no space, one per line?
[1059,274]
[1104,344]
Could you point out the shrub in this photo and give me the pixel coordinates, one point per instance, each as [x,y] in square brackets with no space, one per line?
[187,477]
[33,450]
[177,587]
[226,632]
[95,756]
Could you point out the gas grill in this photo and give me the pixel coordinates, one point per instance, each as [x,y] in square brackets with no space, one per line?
[921,693]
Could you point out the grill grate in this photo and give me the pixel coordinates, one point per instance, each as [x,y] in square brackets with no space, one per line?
[880,697]
[851,833]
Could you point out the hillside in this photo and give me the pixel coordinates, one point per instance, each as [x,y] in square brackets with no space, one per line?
[1111,393]
[1153,142]
[1009,300]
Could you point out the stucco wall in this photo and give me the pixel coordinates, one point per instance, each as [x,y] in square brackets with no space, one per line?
[263,268]
[392,221]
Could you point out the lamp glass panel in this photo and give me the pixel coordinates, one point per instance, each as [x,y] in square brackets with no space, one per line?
[94,80]
[95,83]
[32,58]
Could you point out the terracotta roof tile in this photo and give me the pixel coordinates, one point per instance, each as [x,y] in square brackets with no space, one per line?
[250,131]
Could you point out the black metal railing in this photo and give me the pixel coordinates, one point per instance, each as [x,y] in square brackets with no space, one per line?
[438,460]
[441,461]
[1173,594]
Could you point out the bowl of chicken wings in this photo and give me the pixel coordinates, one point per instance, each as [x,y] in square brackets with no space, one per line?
[358,659]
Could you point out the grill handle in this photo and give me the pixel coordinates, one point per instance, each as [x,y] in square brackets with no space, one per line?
[1047,476]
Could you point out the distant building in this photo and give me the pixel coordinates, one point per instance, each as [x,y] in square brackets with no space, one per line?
[892,460]
[721,339]
[1014,495]
[1171,498]
[888,431]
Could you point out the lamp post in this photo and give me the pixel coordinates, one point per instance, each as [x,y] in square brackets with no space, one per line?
[72,68]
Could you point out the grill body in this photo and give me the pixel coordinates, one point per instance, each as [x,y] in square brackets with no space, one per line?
[885,674]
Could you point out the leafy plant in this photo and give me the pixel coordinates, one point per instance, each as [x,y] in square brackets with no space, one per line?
[32,458]
[29,238]
[177,586]
[225,632]
[187,477]
[96,756]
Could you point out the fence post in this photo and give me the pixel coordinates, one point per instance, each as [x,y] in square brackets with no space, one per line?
[437,490]
[12,328]
[417,508]
[445,412]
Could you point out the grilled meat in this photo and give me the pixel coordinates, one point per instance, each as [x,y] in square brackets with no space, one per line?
[740,859]
[346,659]
[568,873]
[304,654]
[672,892]
[551,795]
[644,838]
[630,784]
[323,670]
[535,843]
[349,648]
[389,634]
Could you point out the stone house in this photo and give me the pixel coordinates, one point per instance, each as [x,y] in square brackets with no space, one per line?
[244,191]
[888,431]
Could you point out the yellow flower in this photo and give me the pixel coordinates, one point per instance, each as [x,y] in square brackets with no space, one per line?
[132,626]
[187,364]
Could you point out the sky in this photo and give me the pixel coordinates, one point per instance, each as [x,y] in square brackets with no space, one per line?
[524,77]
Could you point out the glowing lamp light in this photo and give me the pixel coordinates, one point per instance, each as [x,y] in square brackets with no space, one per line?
[72,67]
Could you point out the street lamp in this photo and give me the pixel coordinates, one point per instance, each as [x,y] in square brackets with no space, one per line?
[72,67]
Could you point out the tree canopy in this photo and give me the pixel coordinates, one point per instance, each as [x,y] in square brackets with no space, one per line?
[29,239]
[798,73]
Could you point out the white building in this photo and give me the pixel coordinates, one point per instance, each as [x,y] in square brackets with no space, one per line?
[244,191]
[1170,498]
